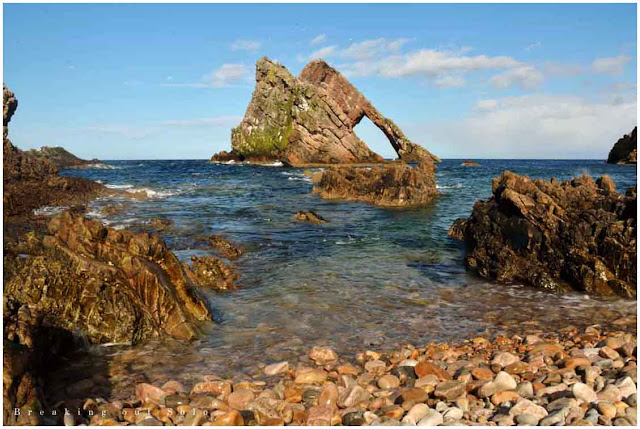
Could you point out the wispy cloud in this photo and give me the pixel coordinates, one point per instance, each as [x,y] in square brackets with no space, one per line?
[223,76]
[320,38]
[610,65]
[323,52]
[373,48]
[534,45]
[525,77]
[246,45]
[450,82]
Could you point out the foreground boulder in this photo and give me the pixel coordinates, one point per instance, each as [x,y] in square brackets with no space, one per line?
[394,185]
[577,234]
[61,158]
[625,151]
[310,120]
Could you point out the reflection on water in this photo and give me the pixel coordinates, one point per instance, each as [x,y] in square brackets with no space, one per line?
[371,278]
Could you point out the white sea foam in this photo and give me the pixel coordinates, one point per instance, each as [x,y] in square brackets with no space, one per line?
[151,193]
[49,211]
[454,186]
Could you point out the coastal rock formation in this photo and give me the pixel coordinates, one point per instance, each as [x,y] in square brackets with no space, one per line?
[394,184]
[625,151]
[30,182]
[310,120]
[104,284]
[309,216]
[61,158]
[577,234]
[210,272]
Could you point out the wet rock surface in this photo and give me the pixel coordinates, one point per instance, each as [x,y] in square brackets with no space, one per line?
[309,216]
[625,151]
[310,120]
[577,234]
[324,388]
[395,184]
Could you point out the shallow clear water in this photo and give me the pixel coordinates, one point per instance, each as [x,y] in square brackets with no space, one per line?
[371,278]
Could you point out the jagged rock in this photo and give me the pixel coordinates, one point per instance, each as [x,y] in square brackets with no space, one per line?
[394,184]
[625,151]
[225,157]
[211,272]
[107,285]
[310,120]
[224,247]
[61,158]
[309,216]
[577,234]
[30,182]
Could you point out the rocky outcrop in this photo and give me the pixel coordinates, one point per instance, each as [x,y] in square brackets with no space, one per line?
[310,120]
[394,184]
[30,182]
[577,234]
[103,284]
[625,151]
[61,158]
[309,216]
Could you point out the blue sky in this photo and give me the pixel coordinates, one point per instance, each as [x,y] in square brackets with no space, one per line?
[466,81]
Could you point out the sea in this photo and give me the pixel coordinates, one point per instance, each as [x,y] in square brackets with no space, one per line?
[370,278]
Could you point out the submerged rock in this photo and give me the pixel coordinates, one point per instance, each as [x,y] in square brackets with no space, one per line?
[395,184]
[309,216]
[224,247]
[577,234]
[104,284]
[625,151]
[310,120]
[61,158]
[211,272]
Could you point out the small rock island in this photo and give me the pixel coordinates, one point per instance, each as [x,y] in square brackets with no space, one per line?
[625,151]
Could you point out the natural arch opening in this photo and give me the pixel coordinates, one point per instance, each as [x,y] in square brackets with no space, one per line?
[373,137]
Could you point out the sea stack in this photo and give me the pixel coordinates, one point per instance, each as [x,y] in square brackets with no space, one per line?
[310,120]
[625,151]
[577,234]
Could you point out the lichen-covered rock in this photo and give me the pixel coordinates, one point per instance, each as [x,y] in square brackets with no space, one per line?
[577,234]
[210,272]
[310,120]
[61,158]
[625,151]
[104,284]
[394,184]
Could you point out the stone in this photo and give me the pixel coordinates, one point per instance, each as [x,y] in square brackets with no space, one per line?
[424,368]
[310,120]
[320,415]
[525,389]
[239,399]
[433,418]
[309,216]
[388,382]
[329,395]
[610,393]
[502,381]
[500,398]
[224,247]
[375,367]
[414,395]
[504,359]
[415,414]
[220,388]
[194,417]
[149,393]
[525,406]
[210,272]
[354,419]
[230,418]
[482,373]
[310,376]
[352,396]
[174,387]
[583,392]
[452,414]
[521,234]
[323,355]
[450,390]
[626,387]
[625,151]
[607,409]
[276,368]
[526,420]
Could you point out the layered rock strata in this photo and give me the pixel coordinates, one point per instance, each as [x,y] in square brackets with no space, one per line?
[577,234]
[392,185]
[310,120]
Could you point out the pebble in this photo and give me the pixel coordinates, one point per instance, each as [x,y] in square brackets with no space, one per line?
[240,398]
[433,418]
[276,368]
[450,390]
[310,376]
[323,355]
[607,409]
[416,413]
[610,393]
[426,368]
[388,382]
[584,392]
[504,359]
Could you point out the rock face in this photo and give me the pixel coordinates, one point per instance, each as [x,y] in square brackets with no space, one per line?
[61,158]
[625,151]
[577,234]
[30,182]
[104,284]
[393,185]
[310,120]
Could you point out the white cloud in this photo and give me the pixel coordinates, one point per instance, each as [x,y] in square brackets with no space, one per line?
[220,121]
[561,69]
[450,82]
[533,46]
[246,45]
[532,126]
[320,38]
[610,65]
[374,48]
[226,75]
[323,52]
[525,76]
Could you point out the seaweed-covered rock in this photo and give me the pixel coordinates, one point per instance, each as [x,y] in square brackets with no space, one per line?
[577,234]
[104,284]
[394,184]
[310,120]
[625,151]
